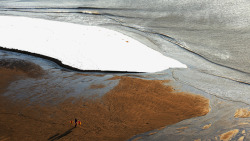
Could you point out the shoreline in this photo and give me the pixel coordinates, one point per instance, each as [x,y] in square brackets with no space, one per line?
[58,62]
[40,107]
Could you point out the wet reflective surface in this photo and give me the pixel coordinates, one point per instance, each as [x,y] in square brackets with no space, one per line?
[58,80]
[58,84]
[210,37]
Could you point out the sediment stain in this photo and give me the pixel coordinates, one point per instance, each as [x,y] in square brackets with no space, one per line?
[229,135]
[241,138]
[207,126]
[97,86]
[27,67]
[15,69]
[242,113]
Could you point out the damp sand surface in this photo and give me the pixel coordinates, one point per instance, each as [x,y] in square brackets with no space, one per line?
[132,107]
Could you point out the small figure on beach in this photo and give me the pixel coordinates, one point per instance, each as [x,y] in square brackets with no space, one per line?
[75,122]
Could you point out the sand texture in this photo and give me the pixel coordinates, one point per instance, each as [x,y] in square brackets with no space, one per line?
[133,106]
[242,113]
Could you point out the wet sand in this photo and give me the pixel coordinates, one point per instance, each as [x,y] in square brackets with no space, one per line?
[242,113]
[134,106]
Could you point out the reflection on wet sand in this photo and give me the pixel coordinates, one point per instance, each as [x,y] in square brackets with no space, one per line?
[133,106]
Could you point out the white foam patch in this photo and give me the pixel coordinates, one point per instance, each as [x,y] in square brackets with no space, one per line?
[82,47]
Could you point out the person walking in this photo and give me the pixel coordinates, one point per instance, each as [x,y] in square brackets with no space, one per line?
[75,122]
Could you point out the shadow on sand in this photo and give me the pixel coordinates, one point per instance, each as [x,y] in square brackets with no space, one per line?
[59,136]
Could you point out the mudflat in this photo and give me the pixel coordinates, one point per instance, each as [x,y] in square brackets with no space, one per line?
[134,106]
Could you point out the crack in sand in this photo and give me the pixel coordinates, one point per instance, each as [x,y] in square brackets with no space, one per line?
[239,81]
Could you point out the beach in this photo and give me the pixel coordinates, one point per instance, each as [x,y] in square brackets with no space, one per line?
[128,70]
[132,107]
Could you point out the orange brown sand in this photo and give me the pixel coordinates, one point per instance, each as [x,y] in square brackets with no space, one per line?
[97,86]
[179,130]
[7,76]
[136,139]
[244,123]
[241,138]
[229,135]
[18,65]
[243,132]
[242,113]
[207,126]
[134,106]
[152,133]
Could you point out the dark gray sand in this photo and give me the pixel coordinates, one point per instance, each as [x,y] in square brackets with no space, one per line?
[210,37]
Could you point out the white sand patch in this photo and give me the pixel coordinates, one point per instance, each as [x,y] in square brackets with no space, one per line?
[82,47]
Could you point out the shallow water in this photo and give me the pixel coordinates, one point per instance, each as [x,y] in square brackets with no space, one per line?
[210,37]
[56,82]
[196,33]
